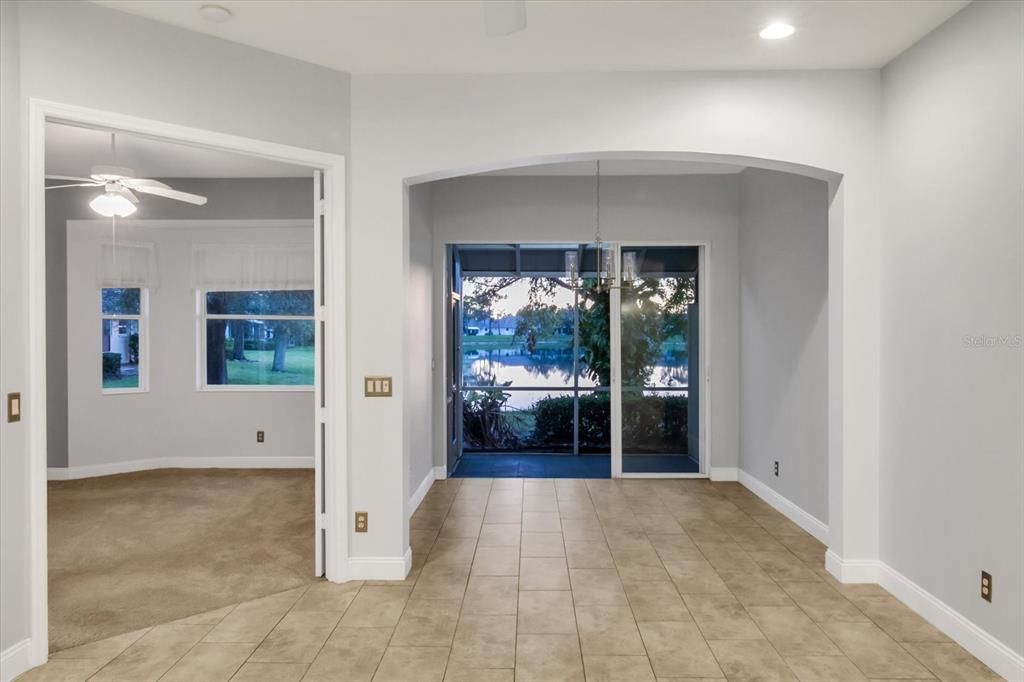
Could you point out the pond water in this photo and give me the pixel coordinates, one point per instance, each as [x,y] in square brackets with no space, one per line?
[550,369]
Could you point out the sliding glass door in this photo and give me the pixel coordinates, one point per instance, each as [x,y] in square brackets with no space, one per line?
[659,347]
[534,353]
[587,362]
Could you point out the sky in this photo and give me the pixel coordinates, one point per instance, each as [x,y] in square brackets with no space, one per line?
[517,296]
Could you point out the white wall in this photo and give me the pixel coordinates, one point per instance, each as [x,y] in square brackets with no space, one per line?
[783,271]
[54,51]
[13,317]
[952,259]
[419,330]
[229,198]
[173,419]
[409,126]
[681,208]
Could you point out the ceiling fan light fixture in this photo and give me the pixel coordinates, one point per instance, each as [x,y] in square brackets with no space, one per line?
[215,14]
[115,201]
[777,30]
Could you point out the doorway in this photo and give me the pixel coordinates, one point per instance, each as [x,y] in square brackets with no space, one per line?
[573,360]
[326,424]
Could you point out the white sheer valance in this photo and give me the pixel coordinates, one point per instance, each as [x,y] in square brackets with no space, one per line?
[127,264]
[241,267]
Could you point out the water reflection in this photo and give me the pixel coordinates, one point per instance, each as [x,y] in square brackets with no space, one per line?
[551,368]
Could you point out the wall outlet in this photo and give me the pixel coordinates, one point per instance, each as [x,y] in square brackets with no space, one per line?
[986,586]
[259,437]
[362,521]
[776,467]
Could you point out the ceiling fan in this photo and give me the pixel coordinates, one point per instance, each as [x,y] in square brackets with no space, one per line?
[119,187]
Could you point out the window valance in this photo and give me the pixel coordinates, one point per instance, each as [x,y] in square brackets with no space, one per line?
[241,267]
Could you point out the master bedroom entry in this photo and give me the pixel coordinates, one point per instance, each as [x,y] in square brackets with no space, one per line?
[182,355]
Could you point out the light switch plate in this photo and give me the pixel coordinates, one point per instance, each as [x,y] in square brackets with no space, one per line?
[13,407]
[377,387]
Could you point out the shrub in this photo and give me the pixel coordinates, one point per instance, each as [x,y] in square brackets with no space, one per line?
[485,422]
[654,423]
[649,423]
[133,348]
[258,344]
[112,365]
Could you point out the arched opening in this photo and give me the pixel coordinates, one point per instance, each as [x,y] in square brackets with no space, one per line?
[767,232]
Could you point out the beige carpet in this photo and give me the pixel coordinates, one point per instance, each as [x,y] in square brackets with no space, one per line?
[134,550]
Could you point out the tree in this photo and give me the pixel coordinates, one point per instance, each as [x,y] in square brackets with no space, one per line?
[477,307]
[121,301]
[216,355]
[254,304]
[238,339]
[537,320]
[653,311]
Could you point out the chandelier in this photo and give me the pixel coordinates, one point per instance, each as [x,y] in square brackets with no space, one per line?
[605,261]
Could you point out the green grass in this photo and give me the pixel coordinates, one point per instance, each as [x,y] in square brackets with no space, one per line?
[131,381]
[256,370]
[483,342]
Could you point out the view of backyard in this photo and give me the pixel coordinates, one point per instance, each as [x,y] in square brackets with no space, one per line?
[260,338]
[258,368]
[536,365]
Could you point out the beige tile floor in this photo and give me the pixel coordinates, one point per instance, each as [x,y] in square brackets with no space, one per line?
[560,580]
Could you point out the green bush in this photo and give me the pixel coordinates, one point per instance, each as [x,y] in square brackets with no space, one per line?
[654,424]
[649,423]
[133,348]
[112,365]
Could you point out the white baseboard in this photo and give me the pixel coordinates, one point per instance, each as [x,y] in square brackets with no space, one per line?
[790,510]
[851,570]
[949,621]
[440,473]
[417,496]
[724,473]
[254,462]
[15,659]
[380,567]
[964,632]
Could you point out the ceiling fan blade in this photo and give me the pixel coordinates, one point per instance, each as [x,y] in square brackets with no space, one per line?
[77,184]
[161,190]
[139,183]
[69,177]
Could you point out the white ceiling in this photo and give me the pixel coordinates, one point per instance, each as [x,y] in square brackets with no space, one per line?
[637,167]
[447,36]
[72,150]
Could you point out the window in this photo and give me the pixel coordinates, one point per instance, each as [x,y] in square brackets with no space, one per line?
[257,340]
[124,351]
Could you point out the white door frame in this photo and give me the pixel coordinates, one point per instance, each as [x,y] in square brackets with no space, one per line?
[615,344]
[704,341]
[333,379]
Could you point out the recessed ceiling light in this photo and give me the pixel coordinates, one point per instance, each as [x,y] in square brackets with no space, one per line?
[215,13]
[777,31]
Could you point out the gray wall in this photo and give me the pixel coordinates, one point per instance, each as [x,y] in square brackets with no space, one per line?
[53,51]
[784,335]
[952,260]
[419,329]
[502,209]
[244,198]
[172,418]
